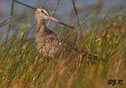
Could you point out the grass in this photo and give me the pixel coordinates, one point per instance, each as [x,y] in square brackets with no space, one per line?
[22,67]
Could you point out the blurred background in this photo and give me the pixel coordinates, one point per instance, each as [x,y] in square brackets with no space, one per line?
[64,8]
[64,11]
[103,33]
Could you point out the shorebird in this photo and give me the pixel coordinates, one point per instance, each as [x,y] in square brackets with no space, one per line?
[50,44]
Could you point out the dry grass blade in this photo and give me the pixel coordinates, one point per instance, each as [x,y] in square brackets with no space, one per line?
[76,13]
[10,19]
[53,12]
[21,65]
[25,4]
[7,22]
[3,22]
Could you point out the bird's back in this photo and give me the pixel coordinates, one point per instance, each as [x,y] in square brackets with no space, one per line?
[49,44]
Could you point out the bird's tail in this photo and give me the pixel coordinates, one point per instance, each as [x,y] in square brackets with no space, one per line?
[91,57]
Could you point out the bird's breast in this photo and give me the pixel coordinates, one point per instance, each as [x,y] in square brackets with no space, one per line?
[47,45]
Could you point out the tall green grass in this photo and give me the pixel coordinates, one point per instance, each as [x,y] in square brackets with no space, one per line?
[22,67]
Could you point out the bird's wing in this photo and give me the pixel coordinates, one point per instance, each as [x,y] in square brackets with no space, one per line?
[69,46]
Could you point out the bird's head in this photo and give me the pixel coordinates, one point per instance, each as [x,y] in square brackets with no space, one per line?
[42,13]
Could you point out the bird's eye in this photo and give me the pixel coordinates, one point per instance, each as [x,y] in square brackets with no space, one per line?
[42,11]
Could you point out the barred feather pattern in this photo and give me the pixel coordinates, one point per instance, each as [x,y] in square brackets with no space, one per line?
[49,44]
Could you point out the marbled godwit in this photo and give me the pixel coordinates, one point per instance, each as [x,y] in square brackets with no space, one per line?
[48,43]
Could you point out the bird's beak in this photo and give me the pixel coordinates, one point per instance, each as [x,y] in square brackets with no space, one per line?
[53,19]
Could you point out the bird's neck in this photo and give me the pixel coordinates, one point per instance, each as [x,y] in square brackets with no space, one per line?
[41,27]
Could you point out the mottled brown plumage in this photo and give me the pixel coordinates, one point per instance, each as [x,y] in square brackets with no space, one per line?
[48,43]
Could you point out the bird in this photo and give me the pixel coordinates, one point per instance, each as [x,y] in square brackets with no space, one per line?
[48,43]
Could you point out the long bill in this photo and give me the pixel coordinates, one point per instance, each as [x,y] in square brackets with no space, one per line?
[49,17]
[53,19]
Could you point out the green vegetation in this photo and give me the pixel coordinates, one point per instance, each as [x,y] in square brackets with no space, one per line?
[22,67]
